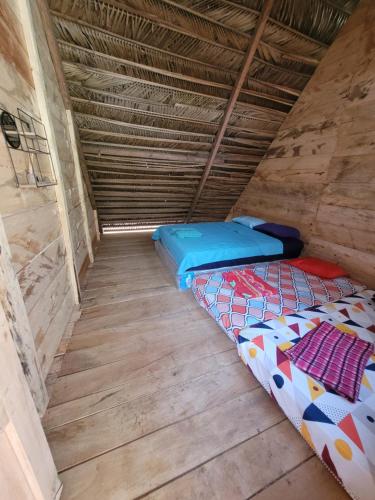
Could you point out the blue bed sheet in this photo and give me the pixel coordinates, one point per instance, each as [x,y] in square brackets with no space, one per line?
[218,241]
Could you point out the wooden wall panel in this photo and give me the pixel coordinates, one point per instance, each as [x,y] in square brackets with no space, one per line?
[29,231]
[31,215]
[60,124]
[319,173]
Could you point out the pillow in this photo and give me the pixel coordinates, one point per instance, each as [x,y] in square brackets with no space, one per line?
[278,230]
[248,221]
[332,357]
[318,267]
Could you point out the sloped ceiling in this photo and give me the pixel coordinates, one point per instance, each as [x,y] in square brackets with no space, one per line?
[150,81]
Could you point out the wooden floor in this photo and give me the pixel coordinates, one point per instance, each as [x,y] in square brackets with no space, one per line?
[153,402]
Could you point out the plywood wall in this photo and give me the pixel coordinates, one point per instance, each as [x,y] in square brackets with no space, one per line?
[319,173]
[31,215]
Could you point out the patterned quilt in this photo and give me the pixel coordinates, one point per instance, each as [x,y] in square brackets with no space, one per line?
[295,291]
[340,432]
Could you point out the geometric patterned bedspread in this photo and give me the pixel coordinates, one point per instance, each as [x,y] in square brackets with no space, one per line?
[341,433]
[295,291]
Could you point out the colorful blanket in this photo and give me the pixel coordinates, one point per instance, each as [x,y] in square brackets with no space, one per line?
[295,291]
[341,433]
[247,284]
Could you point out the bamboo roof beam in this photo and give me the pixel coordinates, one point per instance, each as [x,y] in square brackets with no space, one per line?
[178,29]
[171,141]
[144,127]
[238,52]
[176,76]
[338,6]
[144,46]
[287,54]
[232,101]
[277,115]
[186,152]
[275,22]
[259,132]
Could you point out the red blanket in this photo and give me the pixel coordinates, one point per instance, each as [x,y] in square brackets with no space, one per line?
[247,284]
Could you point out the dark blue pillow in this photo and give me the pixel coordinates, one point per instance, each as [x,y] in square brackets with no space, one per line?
[278,230]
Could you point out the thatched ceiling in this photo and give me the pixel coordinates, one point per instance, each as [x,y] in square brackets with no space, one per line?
[150,81]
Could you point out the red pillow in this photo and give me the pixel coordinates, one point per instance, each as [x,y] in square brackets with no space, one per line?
[318,267]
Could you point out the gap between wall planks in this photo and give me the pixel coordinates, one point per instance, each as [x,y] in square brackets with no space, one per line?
[37,70]
[249,57]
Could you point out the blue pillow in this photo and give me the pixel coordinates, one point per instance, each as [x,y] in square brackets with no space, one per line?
[248,221]
[278,230]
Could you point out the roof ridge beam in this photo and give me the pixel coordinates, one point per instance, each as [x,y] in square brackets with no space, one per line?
[262,21]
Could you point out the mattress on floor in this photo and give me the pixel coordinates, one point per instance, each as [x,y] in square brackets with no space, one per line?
[295,291]
[341,433]
[219,244]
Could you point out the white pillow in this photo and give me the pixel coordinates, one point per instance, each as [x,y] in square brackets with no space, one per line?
[248,221]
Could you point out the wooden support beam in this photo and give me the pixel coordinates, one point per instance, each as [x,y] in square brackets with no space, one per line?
[232,101]
[81,191]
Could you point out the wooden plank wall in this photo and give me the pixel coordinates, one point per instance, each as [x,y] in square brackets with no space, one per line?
[58,112]
[31,216]
[319,173]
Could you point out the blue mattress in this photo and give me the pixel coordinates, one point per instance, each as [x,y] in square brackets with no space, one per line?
[194,245]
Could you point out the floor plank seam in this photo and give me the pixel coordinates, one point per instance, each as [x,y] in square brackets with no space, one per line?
[157,430]
[117,386]
[119,361]
[127,298]
[284,474]
[137,398]
[159,316]
[210,459]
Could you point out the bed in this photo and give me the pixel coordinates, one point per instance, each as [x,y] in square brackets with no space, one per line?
[295,290]
[191,248]
[340,432]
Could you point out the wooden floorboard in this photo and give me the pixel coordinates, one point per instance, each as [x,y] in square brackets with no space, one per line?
[151,400]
